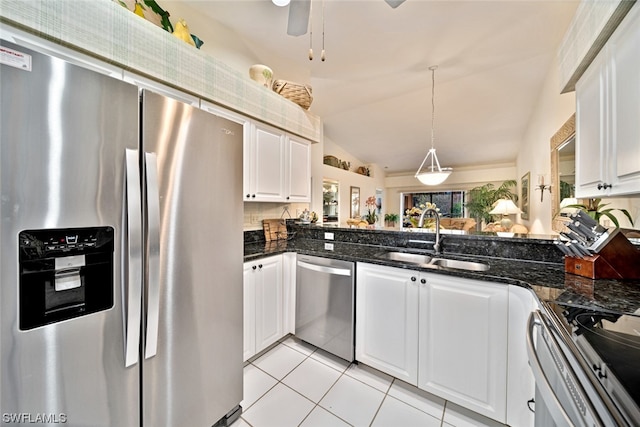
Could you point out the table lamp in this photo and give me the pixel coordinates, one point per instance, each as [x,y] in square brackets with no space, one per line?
[505,207]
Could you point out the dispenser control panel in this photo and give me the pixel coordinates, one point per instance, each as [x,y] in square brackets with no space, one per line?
[37,242]
[64,274]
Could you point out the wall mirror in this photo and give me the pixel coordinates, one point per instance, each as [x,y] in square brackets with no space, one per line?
[355,202]
[330,200]
[563,167]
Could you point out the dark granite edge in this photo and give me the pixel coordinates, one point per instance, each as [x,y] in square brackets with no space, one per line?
[547,280]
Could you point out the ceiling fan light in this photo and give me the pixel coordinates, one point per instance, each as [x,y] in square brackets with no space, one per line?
[281,3]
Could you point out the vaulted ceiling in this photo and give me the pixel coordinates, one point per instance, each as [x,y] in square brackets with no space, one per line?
[373,92]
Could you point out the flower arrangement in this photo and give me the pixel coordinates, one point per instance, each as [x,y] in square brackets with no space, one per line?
[413,214]
[371,205]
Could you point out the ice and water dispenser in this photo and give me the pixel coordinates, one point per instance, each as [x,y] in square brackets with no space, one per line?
[64,273]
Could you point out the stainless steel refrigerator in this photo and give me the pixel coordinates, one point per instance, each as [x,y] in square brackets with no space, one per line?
[121,251]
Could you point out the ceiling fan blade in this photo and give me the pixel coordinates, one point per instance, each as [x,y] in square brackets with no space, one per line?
[298,17]
[394,3]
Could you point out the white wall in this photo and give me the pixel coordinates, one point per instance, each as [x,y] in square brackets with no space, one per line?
[463,178]
[225,45]
[534,156]
[347,179]
[550,113]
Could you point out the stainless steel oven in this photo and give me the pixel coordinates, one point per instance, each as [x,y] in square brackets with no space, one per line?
[586,364]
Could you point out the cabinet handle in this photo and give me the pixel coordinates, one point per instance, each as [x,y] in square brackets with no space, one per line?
[254,267]
[287,197]
[423,281]
[253,195]
[413,279]
[260,266]
[604,186]
[248,195]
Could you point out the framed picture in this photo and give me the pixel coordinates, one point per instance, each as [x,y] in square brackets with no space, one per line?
[524,195]
[355,202]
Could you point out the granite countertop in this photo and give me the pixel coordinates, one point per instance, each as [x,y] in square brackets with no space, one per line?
[547,280]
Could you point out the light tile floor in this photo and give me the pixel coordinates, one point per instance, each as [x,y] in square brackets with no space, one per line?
[295,384]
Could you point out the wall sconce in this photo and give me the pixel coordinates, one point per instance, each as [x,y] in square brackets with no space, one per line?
[541,186]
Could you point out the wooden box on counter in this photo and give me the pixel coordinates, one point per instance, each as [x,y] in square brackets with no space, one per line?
[616,258]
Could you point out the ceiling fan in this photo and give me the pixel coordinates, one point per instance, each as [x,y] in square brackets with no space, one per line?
[299,11]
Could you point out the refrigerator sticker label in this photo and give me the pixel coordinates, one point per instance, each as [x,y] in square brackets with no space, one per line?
[15,59]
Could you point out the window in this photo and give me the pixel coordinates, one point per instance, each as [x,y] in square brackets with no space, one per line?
[450,203]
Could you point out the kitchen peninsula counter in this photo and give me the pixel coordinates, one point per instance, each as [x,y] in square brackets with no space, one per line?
[528,262]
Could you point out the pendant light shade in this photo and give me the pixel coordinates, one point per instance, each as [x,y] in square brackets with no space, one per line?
[434,174]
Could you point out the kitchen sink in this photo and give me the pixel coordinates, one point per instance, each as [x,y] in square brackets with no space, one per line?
[407,257]
[426,260]
[460,265]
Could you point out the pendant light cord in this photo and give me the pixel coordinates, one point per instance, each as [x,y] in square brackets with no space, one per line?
[310,31]
[433,102]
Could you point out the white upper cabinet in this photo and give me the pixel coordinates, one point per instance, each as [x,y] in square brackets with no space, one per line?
[625,103]
[299,170]
[265,165]
[277,167]
[607,117]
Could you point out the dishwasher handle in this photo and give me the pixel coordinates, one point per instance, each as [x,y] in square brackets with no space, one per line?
[325,269]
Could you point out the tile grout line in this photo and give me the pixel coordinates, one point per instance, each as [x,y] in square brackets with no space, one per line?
[386,394]
[342,373]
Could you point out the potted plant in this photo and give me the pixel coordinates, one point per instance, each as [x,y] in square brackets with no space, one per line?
[482,199]
[371,216]
[391,218]
[413,215]
[596,210]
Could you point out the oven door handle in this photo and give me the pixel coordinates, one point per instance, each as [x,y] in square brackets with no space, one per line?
[542,381]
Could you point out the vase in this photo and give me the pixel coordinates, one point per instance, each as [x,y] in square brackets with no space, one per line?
[261,74]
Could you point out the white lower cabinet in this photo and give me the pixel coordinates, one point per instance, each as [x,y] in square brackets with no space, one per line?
[387,320]
[445,334]
[463,343]
[263,304]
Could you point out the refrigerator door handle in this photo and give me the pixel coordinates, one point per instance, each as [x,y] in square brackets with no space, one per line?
[132,260]
[153,239]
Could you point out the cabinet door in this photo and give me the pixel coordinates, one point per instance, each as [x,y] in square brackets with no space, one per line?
[299,170]
[289,292]
[269,302]
[249,310]
[624,47]
[591,129]
[520,381]
[268,161]
[463,343]
[387,320]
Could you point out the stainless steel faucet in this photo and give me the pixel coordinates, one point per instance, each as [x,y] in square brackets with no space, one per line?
[436,245]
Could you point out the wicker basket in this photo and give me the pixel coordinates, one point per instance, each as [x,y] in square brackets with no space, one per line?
[331,161]
[296,92]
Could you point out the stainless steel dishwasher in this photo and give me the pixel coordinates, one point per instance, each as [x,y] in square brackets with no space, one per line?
[325,290]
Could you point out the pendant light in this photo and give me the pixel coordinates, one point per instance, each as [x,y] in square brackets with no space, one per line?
[436,175]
